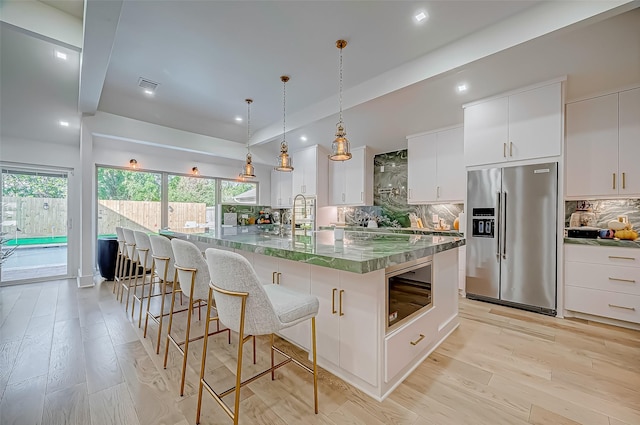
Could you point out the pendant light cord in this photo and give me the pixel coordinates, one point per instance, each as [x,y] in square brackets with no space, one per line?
[341,85]
[284,110]
[248,124]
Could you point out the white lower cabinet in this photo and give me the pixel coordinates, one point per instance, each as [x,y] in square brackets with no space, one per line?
[603,281]
[293,275]
[347,324]
[402,347]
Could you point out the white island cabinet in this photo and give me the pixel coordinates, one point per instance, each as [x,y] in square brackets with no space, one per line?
[350,280]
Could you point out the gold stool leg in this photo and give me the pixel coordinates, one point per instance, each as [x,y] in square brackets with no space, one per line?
[173,301]
[186,348]
[131,265]
[116,278]
[315,364]
[204,355]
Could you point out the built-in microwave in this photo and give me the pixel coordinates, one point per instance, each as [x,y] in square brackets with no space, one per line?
[408,291]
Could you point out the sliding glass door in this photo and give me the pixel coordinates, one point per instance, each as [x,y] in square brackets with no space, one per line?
[33,225]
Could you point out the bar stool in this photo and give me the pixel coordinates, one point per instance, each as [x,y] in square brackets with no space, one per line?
[165,272]
[192,276]
[120,260]
[145,259]
[132,255]
[246,306]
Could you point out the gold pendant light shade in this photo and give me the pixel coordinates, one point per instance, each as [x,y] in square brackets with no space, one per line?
[248,171]
[340,148]
[284,160]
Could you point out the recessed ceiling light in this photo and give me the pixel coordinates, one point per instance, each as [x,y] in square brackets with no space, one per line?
[303,138]
[61,55]
[148,92]
[462,88]
[63,123]
[238,119]
[421,16]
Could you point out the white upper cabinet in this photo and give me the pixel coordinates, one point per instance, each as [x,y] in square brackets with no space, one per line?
[309,176]
[592,147]
[281,186]
[351,182]
[524,125]
[629,142]
[486,131]
[436,167]
[602,146]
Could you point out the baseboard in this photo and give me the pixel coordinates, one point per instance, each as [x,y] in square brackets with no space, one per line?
[85,281]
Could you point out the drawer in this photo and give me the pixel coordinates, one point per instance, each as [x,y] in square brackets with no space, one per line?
[602,303]
[628,257]
[406,344]
[620,279]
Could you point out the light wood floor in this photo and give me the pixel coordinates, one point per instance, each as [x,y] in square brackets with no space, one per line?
[72,356]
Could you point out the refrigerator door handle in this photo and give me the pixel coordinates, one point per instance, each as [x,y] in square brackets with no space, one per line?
[504,228]
[497,226]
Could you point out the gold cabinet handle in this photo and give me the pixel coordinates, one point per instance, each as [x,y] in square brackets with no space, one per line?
[614,180]
[622,280]
[341,292]
[333,301]
[504,150]
[622,258]
[273,277]
[622,307]
[417,341]
[278,278]
[510,148]
[624,181]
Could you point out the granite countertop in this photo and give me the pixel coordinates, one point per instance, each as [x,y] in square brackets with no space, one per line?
[603,242]
[402,230]
[359,252]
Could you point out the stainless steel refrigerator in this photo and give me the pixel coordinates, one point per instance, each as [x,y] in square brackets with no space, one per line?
[512,236]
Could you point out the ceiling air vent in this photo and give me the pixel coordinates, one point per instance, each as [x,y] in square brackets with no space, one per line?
[147,84]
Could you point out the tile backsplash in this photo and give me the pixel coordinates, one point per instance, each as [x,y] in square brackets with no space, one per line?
[390,198]
[606,210]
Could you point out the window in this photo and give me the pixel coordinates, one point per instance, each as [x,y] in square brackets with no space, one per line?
[128,199]
[238,192]
[192,203]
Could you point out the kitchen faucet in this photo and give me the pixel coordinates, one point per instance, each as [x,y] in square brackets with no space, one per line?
[293,214]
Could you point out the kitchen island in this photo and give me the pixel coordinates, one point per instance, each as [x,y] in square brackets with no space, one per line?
[355,340]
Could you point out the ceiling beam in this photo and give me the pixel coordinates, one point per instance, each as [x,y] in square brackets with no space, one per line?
[44,22]
[532,23]
[100,25]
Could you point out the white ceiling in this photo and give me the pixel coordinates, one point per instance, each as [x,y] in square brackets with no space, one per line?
[208,56]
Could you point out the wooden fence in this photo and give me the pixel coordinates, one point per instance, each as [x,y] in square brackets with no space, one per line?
[34,217]
[146,215]
[47,217]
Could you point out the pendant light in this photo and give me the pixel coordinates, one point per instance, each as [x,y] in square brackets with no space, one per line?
[340,150]
[284,160]
[248,171]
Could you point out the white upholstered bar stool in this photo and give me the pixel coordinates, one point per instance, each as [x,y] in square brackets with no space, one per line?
[246,306]
[193,279]
[120,260]
[166,273]
[132,256]
[145,259]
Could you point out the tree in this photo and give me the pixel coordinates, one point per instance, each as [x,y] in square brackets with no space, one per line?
[128,185]
[33,186]
[192,189]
